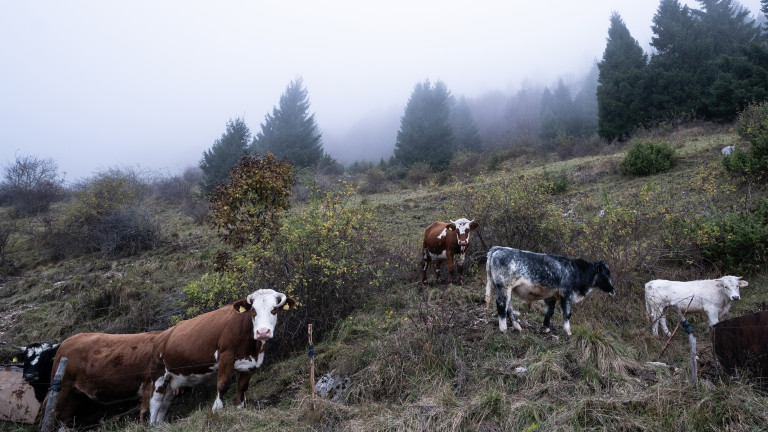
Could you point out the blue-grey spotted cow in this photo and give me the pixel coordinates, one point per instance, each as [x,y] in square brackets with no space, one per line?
[534,276]
[446,241]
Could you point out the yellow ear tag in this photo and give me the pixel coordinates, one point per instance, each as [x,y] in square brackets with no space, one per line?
[242,309]
[15,360]
[286,306]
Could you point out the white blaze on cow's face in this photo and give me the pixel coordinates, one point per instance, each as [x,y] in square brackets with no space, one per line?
[463,227]
[265,302]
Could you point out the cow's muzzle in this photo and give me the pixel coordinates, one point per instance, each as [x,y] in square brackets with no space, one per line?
[735,297]
[263,334]
[612,293]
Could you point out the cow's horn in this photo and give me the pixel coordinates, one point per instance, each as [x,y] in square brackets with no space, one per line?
[56,345]
[20,348]
[282,298]
[249,298]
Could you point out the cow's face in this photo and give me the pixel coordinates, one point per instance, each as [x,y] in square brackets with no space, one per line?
[462,227]
[603,278]
[263,305]
[730,286]
[37,359]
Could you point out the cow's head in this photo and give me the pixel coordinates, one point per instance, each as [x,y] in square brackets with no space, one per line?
[602,278]
[462,227]
[37,359]
[730,286]
[263,306]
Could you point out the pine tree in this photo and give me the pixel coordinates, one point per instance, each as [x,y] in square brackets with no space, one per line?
[224,154]
[425,133]
[620,100]
[465,131]
[674,79]
[290,131]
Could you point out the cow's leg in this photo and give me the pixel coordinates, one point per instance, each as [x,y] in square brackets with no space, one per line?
[550,302]
[242,386]
[712,314]
[451,267]
[438,264]
[565,306]
[460,269]
[663,322]
[66,402]
[226,364]
[424,264]
[504,308]
[162,395]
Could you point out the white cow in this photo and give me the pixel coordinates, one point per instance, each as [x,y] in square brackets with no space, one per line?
[712,296]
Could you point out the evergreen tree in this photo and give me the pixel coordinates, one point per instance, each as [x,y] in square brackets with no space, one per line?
[585,103]
[290,131]
[675,79]
[727,25]
[224,154]
[465,131]
[620,99]
[425,133]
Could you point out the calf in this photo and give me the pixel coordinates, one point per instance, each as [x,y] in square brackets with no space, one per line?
[442,242]
[37,359]
[712,296]
[212,346]
[104,368]
[534,276]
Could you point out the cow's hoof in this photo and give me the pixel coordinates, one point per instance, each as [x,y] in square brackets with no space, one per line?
[517,327]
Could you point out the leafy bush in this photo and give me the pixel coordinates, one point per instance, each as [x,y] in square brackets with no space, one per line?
[30,185]
[248,206]
[648,157]
[177,189]
[735,242]
[752,125]
[555,183]
[325,257]
[513,212]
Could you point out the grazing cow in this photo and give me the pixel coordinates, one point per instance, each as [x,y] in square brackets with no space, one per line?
[38,362]
[444,241]
[712,296]
[534,276]
[104,368]
[214,345]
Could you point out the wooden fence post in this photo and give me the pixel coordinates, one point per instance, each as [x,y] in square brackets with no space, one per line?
[48,420]
[311,365]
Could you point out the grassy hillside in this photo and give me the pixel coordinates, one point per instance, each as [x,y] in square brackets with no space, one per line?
[444,365]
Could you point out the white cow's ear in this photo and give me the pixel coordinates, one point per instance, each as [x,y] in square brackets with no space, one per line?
[720,284]
[743,283]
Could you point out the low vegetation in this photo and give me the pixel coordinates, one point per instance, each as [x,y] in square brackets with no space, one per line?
[349,255]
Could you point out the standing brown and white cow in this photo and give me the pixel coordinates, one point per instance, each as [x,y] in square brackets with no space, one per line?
[446,241]
[105,368]
[214,345]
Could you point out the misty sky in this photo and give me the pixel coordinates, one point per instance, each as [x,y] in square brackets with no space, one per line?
[151,84]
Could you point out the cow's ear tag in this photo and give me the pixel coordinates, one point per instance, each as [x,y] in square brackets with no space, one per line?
[286,306]
[15,360]
[450,229]
[242,309]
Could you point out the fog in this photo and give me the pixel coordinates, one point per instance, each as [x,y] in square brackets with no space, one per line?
[95,84]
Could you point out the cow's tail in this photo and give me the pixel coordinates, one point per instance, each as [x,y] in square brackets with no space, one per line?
[488,278]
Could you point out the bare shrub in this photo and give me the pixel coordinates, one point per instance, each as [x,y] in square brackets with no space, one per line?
[375,181]
[177,189]
[106,216]
[30,185]
[568,147]
[125,231]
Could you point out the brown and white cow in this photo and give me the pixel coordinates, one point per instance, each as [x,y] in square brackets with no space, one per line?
[105,368]
[446,241]
[213,346]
